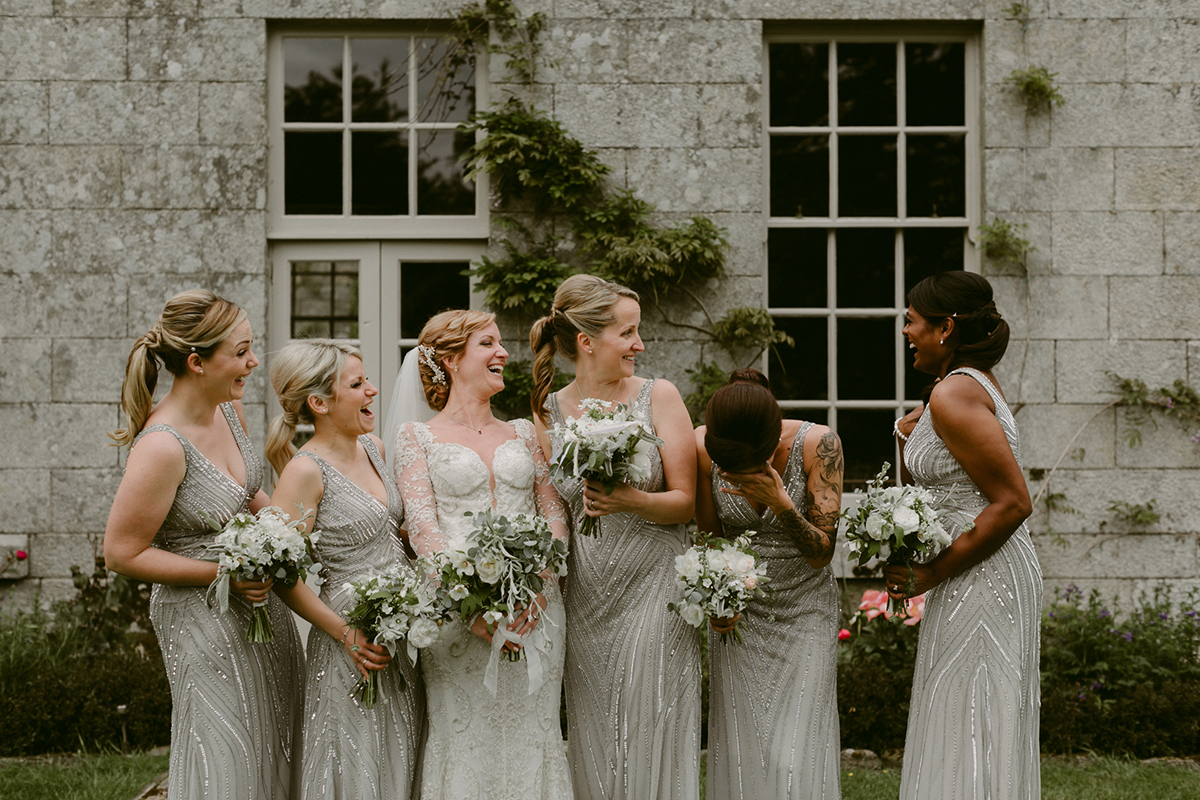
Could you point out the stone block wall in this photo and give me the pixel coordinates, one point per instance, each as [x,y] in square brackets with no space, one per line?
[133,164]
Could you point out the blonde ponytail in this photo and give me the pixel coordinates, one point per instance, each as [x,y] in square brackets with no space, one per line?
[303,369]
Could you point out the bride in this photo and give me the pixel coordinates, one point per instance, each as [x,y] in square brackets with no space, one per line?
[482,744]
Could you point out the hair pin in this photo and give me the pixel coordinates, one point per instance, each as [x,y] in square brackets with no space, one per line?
[427,356]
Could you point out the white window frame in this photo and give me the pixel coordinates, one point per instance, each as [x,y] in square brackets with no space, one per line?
[347,226]
[972,129]
[379,265]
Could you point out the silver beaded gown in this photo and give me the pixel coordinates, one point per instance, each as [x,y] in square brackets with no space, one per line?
[633,667]
[974,714]
[348,751]
[235,705]
[772,713]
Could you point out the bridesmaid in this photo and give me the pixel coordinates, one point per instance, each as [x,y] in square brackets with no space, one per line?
[633,667]
[773,721]
[973,717]
[347,751]
[190,462]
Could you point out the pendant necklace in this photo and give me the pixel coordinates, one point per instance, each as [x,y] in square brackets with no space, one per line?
[471,427]
[616,394]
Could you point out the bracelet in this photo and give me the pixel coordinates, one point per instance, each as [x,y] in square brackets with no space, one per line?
[896,429]
[346,633]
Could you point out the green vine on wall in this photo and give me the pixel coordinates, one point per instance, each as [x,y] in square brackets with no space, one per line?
[540,173]
[1002,242]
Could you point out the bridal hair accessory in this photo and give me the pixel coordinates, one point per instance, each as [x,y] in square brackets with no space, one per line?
[427,357]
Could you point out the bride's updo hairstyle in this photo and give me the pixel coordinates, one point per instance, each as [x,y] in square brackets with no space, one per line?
[743,422]
[303,369]
[980,334]
[196,321]
[447,333]
[582,304]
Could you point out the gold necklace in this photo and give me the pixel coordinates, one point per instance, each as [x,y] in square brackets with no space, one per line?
[472,427]
[616,394]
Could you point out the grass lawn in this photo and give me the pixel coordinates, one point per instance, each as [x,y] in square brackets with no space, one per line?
[89,777]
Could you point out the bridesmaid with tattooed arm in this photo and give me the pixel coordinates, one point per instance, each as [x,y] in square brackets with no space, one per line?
[773,722]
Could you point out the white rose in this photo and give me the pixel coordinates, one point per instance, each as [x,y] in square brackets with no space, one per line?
[741,563]
[892,493]
[490,570]
[875,526]
[457,592]
[693,615]
[423,632]
[717,560]
[907,519]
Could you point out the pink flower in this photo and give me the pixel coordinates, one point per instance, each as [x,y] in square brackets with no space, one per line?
[874,602]
[843,635]
[916,609]
[22,555]
[751,581]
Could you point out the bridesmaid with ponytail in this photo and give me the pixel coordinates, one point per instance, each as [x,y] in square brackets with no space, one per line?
[348,751]
[190,463]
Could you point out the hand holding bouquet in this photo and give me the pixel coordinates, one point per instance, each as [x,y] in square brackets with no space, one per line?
[603,446]
[501,572]
[389,609]
[717,578]
[897,524]
[250,546]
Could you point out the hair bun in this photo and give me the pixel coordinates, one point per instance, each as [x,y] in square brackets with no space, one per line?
[750,375]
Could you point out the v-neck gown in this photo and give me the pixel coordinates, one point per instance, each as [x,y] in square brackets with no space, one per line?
[633,666]
[975,709]
[235,705]
[772,714]
[350,752]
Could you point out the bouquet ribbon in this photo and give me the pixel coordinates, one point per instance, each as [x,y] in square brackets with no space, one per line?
[534,643]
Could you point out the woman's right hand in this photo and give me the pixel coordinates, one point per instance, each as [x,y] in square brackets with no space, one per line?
[366,656]
[254,590]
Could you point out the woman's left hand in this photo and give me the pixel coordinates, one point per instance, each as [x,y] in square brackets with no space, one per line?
[764,487]
[597,504]
[896,576]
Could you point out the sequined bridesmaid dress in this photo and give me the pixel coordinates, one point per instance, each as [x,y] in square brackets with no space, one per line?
[235,705]
[772,714]
[633,666]
[348,751]
[974,714]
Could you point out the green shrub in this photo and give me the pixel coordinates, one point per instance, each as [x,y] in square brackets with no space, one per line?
[87,674]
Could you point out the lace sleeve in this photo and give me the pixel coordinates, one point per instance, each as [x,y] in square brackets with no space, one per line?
[549,504]
[412,478]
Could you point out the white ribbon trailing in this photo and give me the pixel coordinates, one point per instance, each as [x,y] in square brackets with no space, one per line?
[534,644]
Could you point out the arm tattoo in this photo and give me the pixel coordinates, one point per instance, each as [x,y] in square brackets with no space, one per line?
[816,536]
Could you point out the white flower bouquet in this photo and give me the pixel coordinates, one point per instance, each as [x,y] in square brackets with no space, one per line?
[717,578]
[256,546]
[896,524]
[502,571]
[393,608]
[607,446]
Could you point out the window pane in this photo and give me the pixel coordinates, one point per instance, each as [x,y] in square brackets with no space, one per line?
[441,187]
[799,84]
[866,443]
[866,84]
[867,176]
[866,359]
[427,288]
[936,86]
[380,166]
[937,176]
[866,268]
[817,415]
[312,80]
[800,372]
[443,96]
[325,299]
[379,88]
[930,250]
[799,176]
[796,267]
[312,173]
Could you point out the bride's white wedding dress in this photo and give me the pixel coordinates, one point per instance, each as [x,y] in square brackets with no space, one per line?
[483,746]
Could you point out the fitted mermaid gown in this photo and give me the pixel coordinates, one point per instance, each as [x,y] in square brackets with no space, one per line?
[235,705]
[772,714]
[973,717]
[633,666]
[507,746]
[348,751]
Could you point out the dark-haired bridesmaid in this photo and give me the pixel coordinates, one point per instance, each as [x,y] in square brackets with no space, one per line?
[773,722]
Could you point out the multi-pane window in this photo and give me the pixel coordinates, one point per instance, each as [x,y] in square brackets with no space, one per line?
[364,134]
[324,299]
[873,185]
